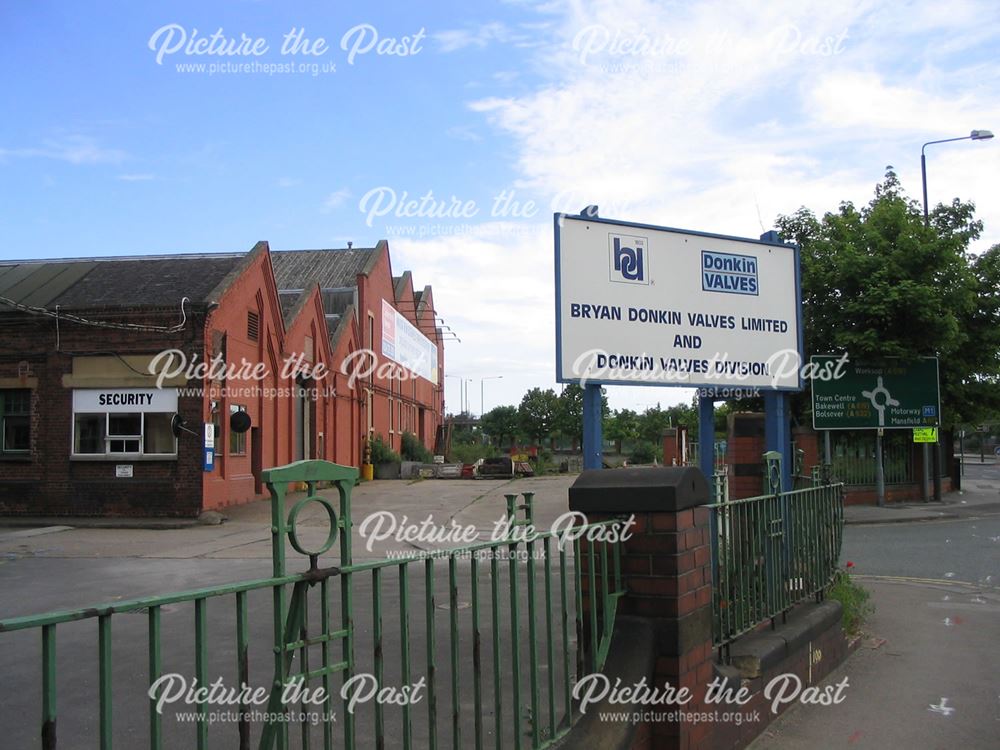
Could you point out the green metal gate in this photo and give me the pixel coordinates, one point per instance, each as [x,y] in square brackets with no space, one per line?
[524,680]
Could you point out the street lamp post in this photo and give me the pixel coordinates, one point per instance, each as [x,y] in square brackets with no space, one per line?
[975,135]
[482,400]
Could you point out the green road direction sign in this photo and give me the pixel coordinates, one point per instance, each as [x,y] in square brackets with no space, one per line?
[892,395]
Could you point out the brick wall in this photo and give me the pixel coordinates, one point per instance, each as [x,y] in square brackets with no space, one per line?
[48,482]
[746,448]
[666,569]
[667,573]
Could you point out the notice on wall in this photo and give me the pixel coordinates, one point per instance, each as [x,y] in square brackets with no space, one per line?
[402,342]
[124,400]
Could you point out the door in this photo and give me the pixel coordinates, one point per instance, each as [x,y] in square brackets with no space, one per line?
[256,459]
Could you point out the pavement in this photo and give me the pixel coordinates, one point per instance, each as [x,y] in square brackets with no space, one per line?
[980,495]
[922,635]
[976,496]
[923,676]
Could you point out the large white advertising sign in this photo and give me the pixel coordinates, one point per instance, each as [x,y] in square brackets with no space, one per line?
[645,305]
[403,342]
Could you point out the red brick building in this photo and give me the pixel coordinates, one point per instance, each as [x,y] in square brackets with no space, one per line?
[98,355]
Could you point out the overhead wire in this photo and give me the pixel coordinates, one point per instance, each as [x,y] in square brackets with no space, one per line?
[71,318]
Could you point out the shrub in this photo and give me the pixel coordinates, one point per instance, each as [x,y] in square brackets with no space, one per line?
[469,453]
[643,453]
[413,450]
[854,598]
[382,453]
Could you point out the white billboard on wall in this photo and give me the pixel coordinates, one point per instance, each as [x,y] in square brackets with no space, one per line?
[403,342]
[646,305]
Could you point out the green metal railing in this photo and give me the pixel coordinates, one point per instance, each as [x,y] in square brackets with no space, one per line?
[531,713]
[771,553]
[854,457]
[720,486]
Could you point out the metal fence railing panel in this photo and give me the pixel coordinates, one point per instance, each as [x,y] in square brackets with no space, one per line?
[772,552]
[518,632]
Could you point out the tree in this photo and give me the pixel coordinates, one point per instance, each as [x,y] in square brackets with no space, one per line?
[652,423]
[877,283]
[622,426]
[568,420]
[499,423]
[975,367]
[536,414]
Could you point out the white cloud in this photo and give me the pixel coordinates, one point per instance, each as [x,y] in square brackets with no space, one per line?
[865,100]
[464,133]
[487,34]
[336,199]
[712,116]
[480,37]
[73,149]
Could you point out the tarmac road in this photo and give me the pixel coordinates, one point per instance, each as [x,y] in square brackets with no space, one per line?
[76,567]
[926,673]
[940,637]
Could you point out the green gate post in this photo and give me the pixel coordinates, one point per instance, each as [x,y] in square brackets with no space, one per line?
[289,619]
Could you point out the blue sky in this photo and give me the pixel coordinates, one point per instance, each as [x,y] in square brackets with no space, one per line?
[711,116]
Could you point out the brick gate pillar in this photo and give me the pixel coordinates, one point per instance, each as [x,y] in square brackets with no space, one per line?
[667,574]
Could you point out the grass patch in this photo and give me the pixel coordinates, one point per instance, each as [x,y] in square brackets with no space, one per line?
[855,599]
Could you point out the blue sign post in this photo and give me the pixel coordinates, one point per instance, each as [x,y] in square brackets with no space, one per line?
[592,427]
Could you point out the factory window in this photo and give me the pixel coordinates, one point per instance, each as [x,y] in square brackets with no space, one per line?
[15,421]
[123,433]
[237,440]
[124,422]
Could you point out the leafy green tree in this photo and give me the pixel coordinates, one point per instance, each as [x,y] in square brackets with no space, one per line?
[568,420]
[722,412]
[622,426]
[974,369]
[537,412]
[501,424]
[652,423]
[877,282]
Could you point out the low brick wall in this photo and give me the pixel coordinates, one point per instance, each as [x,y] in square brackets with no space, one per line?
[766,664]
[667,573]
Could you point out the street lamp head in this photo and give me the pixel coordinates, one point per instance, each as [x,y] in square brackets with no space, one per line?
[981,135]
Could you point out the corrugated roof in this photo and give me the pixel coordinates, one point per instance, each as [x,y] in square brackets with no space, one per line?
[114,282]
[37,284]
[300,269]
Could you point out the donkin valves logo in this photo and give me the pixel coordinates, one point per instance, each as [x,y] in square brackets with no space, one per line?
[628,264]
[729,273]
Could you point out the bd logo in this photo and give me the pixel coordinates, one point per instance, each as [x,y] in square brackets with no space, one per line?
[627,258]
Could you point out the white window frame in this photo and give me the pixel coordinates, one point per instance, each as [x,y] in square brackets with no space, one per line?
[108,437]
